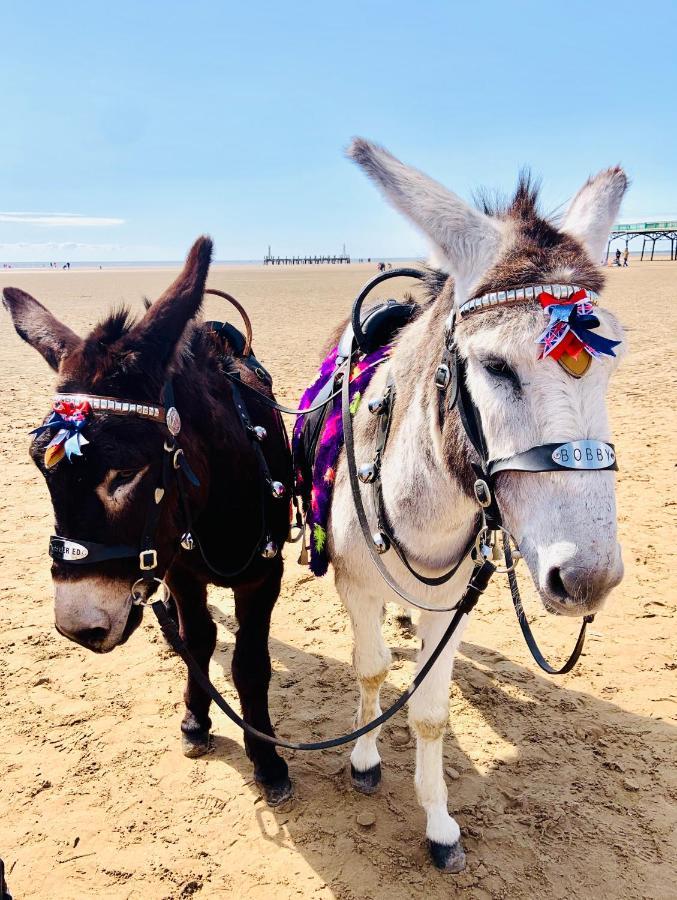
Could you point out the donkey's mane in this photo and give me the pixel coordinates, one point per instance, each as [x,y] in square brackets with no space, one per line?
[523,204]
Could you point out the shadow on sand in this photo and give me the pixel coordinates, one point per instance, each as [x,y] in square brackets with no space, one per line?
[558,793]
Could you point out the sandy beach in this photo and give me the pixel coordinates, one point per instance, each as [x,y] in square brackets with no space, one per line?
[564,788]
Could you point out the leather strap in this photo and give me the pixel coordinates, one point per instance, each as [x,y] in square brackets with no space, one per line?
[476,586]
[361,513]
[526,628]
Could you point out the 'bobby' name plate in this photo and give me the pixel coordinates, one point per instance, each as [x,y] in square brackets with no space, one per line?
[585,455]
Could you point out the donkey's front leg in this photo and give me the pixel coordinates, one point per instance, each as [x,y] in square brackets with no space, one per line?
[428,715]
[251,673]
[371,658]
[198,630]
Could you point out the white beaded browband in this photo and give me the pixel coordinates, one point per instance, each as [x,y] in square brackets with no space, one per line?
[521,295]
[111,405]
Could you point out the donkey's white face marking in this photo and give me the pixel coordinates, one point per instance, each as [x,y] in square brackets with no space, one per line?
[117,487]
[565,523]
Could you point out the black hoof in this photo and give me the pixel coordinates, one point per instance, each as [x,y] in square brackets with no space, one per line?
[278,792]
[366,782]
[195,743]
[447,858]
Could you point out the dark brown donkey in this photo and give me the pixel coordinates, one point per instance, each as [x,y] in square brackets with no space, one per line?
[103,496]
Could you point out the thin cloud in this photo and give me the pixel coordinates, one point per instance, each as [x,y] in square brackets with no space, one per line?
[59,220]
[56,246]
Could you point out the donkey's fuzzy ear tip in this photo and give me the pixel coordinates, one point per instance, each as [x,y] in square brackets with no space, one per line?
[201,251]
[360,150]
[11,296]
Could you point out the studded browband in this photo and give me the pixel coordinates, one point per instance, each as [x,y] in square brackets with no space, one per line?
[117,407]
[522,295]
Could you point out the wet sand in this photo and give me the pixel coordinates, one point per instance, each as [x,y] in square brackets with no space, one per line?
[563,787]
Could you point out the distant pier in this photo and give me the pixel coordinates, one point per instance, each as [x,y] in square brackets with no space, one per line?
[270,260]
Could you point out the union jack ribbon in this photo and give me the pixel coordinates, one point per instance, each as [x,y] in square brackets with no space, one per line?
[570,328]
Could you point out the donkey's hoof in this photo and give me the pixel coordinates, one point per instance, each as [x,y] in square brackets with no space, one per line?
[366,782]
[448,858]
[195,743]
[278,792]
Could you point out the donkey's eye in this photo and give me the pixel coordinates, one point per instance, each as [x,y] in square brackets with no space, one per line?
[498,368]
[120,478]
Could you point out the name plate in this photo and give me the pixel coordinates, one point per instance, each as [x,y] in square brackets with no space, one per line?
[69,551]
[584,455]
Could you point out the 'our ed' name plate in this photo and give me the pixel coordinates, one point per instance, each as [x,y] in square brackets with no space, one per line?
[584,455]
[68,551]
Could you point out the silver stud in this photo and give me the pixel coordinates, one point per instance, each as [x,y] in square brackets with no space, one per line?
[173,420]
[260,432]
[269,550]
[278,489]
[381,542]
[367,472]
[376,406]
[187,541]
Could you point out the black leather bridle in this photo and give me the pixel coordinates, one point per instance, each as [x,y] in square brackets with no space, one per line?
[453,391]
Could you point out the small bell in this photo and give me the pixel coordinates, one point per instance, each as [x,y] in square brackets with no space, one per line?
[260,432]
[381,542]
[367,472]
[278,489]
[187,541]
[376,406]
[269,550]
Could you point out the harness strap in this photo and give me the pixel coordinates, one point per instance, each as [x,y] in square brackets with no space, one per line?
[382,432]
[475,588]
[361,513]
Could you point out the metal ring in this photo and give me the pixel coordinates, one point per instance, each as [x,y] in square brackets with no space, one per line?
[138,600]
[483,538]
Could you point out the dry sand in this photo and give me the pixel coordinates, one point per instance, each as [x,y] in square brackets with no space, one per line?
[563,787]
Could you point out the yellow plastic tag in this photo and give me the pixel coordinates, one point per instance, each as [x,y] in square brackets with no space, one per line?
[576,366]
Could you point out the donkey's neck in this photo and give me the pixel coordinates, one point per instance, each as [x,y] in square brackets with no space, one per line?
[426,473]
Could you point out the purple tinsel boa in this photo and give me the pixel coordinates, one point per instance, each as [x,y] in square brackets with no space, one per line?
[329,447]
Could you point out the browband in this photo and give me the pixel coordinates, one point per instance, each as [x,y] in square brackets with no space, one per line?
[522,295]
[117,407]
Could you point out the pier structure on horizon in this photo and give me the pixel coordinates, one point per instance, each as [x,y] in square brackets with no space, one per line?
[270,260]
[648,231]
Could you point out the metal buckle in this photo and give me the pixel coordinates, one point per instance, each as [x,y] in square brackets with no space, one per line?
[148,560]
[442,377]
[482,493]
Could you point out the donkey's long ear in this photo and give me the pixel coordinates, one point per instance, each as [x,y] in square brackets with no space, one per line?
[156,336]
[466,238]
[593,210]
[38,327]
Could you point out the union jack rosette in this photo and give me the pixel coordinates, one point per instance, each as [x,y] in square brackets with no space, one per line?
[570,328]
[69,420]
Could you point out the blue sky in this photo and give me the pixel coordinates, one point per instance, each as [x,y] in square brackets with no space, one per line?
[129,128]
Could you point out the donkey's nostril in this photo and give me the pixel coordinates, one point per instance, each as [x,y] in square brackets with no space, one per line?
[555,584]
[91,637]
